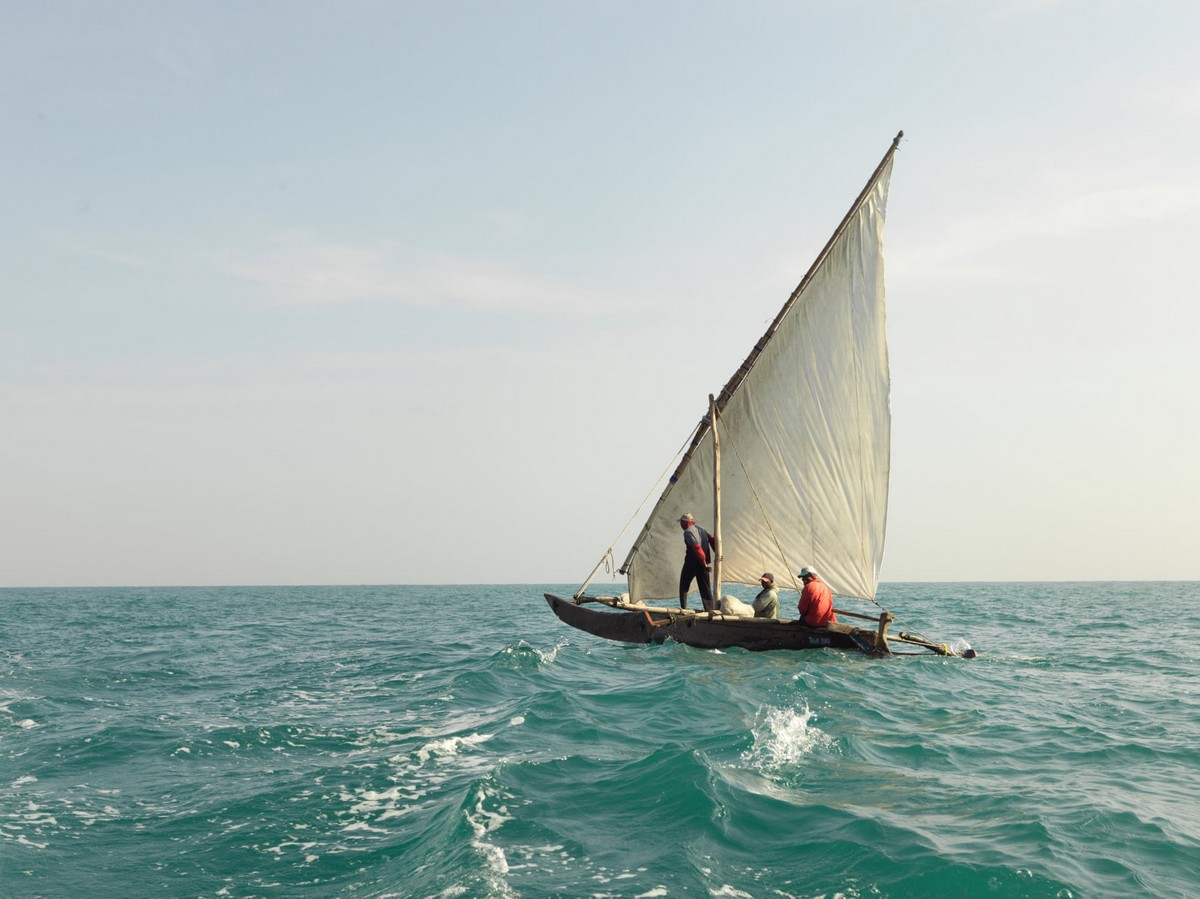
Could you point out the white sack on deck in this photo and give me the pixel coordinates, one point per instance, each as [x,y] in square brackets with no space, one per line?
[731,605]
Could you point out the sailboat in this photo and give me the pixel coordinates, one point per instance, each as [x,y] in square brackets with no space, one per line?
[793,459]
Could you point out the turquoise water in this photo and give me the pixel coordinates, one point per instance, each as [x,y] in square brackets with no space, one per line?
[461,741]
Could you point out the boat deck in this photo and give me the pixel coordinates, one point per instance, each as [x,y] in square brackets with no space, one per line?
[641,623]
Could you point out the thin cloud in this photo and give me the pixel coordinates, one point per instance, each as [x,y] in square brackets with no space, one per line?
[1118,206]
[304,271]
[184,62]
[1019,9]
[964,254]
[89,250]
[1173,97]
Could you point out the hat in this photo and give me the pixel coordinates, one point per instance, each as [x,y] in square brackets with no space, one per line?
[806,571]
[767,576]
[686,516]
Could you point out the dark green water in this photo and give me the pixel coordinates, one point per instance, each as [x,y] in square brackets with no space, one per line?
[460,741]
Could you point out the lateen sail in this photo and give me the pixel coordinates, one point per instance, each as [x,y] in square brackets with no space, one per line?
[805,435]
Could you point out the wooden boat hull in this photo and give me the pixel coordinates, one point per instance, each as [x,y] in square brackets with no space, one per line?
[699,629]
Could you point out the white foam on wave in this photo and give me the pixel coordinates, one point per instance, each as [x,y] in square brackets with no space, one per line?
[363,825]
[783,737]
[415,776]
[8,697]
[483,822]
[551,655]
[291,844]
[41,818]
[382,735]
[451,746]
[560,863]
[544,657]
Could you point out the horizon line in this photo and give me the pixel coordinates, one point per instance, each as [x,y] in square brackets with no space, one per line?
[539,585]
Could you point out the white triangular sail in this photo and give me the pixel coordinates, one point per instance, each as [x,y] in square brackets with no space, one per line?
[805,435]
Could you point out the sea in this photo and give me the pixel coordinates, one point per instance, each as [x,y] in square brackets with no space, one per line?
[443,741]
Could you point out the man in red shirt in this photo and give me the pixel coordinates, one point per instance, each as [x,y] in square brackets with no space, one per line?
[816,602]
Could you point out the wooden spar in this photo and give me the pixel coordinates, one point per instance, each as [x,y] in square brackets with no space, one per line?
[738,376]
[856,615]
[583,587]
[607,600]
[741,373]
[716,585]
[940,648]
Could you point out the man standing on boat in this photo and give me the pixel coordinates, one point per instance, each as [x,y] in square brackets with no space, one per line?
[816,602]
[698,546]
[766,604]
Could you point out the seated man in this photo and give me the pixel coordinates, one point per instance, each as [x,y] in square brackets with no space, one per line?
[766,604]
[816,602]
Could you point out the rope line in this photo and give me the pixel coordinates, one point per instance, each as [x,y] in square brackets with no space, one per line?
[607,559]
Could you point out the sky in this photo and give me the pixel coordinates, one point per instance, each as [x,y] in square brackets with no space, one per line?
[429,292]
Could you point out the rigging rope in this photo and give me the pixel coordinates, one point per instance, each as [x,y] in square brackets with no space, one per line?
[607,559]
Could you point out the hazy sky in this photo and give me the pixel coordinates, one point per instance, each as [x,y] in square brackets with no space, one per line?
[426,292]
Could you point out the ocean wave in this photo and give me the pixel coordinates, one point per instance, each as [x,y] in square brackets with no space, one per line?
[37,817]
[783,737]
[292,753]
[523,656]
[485,815]
[407,781]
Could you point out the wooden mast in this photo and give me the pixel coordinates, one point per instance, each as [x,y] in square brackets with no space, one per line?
[716,575]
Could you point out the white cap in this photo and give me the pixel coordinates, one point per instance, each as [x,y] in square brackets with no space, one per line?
[806,571]
[686,516]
